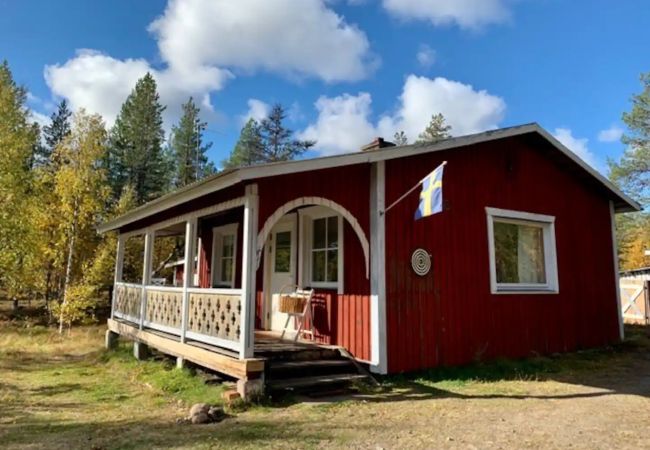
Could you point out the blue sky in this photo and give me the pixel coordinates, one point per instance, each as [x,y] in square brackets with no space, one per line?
[346,70]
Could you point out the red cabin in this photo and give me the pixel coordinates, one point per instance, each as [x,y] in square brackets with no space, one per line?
[521,260]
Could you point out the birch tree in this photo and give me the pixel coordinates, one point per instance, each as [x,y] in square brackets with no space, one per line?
[80,185]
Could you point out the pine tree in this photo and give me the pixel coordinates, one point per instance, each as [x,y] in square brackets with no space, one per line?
[400,138]
[55,132]
[17,142]
[187,148]
[437,130]
[136,154]
[278,142]
[632,172]
[249,147]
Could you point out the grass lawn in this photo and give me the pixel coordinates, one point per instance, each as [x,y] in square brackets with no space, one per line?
[67,392]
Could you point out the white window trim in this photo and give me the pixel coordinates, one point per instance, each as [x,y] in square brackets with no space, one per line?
[307,216]
[217,249]
[547,223]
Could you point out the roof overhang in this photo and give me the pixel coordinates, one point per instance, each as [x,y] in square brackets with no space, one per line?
[225,179]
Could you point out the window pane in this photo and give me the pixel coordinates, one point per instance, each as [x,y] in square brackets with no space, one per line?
[318,266]
[228,245]
[282,260]
[332,232]
[332,265]
[319,233]
[531,255]
[519,253]
[226,270]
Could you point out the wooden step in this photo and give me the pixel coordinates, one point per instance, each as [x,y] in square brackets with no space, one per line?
[316,364]
[317,381]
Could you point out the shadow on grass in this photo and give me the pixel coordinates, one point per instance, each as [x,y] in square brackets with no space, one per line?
[127,434]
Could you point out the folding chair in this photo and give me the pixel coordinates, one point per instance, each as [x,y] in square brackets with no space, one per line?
[293,291]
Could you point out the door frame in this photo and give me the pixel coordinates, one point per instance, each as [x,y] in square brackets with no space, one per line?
[291,218]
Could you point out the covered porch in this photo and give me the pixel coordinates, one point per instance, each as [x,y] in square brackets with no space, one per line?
[212,298]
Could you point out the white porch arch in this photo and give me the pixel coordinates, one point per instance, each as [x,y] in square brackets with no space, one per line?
[311,201]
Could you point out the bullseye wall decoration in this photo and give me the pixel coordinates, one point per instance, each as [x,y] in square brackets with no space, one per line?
[421,262]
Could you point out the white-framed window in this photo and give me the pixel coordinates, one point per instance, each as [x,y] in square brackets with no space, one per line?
[322,255]
[522,252]
[224,255]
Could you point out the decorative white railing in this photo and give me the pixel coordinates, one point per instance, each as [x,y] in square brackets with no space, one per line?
[212,316]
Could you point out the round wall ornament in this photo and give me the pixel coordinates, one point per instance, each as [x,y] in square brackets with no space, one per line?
[421,262]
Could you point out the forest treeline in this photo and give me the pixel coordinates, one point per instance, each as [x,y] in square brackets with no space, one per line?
[58,182]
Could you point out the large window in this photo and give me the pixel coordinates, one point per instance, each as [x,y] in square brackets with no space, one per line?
[522,252]
[224,255]
[325,250]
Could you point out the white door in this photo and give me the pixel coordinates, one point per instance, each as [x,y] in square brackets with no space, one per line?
[280,263]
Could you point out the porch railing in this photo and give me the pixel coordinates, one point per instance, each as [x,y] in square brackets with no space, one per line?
[213,316]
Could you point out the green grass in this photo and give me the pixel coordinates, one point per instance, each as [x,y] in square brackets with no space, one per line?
[68,392]
[536,368]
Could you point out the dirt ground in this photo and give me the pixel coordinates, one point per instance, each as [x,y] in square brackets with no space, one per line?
[68,393]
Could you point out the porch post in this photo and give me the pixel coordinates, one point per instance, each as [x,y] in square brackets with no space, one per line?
[379,353]
[188,271]
[146,273]
[247,326]
[119,265]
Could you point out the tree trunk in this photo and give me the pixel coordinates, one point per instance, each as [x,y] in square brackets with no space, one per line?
[68,268]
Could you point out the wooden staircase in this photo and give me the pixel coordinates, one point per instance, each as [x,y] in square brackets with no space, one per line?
[314,371]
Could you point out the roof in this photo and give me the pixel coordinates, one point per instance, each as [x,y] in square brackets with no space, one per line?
[230,177]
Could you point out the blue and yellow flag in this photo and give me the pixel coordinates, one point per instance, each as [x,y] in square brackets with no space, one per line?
[431,195]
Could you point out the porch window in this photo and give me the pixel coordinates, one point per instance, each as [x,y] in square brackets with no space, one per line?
[522,252]
[325,249]
[224,255]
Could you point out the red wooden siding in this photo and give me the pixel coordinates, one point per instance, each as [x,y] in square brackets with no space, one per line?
[449,316]
[338,319]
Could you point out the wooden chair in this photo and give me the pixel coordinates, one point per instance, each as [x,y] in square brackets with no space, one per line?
[294,292]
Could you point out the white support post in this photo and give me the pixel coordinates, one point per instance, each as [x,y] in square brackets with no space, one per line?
[621,328]
[247,326]
[146,273]
[379,354]
[119,265]
[188,270]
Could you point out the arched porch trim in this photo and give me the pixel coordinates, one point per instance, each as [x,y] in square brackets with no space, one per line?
[311,201]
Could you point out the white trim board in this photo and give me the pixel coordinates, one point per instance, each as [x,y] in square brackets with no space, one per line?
[231,177]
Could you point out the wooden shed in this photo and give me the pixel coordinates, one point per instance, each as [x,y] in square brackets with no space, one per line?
[520,261]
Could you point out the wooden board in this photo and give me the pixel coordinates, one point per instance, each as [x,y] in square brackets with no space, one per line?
[239,368]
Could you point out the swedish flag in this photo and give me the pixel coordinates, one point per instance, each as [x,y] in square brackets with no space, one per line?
[431,195]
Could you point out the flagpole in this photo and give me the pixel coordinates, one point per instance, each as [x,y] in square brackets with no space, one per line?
[403,196]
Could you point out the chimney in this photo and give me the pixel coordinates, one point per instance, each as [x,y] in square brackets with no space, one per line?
[377,143]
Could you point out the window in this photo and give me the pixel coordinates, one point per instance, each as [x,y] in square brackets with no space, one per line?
[522,252]
[325,250]
[224,255]
[282,260]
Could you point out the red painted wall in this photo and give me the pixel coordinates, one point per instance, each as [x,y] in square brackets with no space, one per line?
[449,317]
[338,319]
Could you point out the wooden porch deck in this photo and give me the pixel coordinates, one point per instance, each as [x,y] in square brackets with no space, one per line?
[268,346]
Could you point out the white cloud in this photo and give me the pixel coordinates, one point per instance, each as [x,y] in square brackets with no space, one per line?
[344,123]
[611,134]
[257,109]
[465,13]
[41,119]
[426,56]
[579,146]
[465,109]
[202,42]
[290,37]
